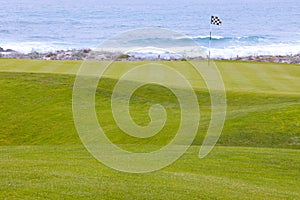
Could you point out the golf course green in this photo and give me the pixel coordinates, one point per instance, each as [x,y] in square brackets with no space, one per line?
[256,157]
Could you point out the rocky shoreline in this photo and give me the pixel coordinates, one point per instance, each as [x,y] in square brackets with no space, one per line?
[288,59]
[83,54]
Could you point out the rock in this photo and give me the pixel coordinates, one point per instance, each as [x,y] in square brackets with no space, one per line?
[83,54]
[7,50]
[10,50]
[86,50]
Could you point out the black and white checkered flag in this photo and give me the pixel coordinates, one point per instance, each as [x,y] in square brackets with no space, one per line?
[215,21]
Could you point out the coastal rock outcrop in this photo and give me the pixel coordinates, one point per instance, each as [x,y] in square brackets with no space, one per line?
[6,50]
[84,54]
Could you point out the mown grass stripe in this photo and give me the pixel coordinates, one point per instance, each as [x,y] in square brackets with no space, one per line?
[235,72]
[265,75]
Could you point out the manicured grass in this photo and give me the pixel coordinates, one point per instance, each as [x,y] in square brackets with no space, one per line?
[240,76]
[70,172]
[257,155]
[36,109]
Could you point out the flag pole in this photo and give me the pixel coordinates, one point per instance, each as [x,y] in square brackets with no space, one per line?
[214,20]
[209,42]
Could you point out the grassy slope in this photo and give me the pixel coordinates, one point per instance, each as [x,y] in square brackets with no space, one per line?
[62,172]
[263,111]
[36,108]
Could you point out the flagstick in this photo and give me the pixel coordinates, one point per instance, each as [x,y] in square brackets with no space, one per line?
[215,21]
[209,43]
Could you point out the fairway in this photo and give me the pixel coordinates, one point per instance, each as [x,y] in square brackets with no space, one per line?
[256,157]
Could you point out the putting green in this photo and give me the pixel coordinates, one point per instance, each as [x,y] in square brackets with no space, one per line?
[240,76]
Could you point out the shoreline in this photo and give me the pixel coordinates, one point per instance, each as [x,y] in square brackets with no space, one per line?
[84,54]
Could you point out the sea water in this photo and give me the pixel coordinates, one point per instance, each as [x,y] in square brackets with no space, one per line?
[249,27]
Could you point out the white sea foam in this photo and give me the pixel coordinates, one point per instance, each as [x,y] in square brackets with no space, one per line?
[217,37]
[242,51]
[184,51]
[198,51]
[28,47]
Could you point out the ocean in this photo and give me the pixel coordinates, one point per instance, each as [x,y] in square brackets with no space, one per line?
[253,27]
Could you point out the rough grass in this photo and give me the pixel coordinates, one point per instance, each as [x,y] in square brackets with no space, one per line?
[41,155]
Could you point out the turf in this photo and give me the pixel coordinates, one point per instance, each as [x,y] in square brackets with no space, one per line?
[257,156]
[69,172]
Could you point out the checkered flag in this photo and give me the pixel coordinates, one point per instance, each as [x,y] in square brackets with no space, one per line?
[215,21]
